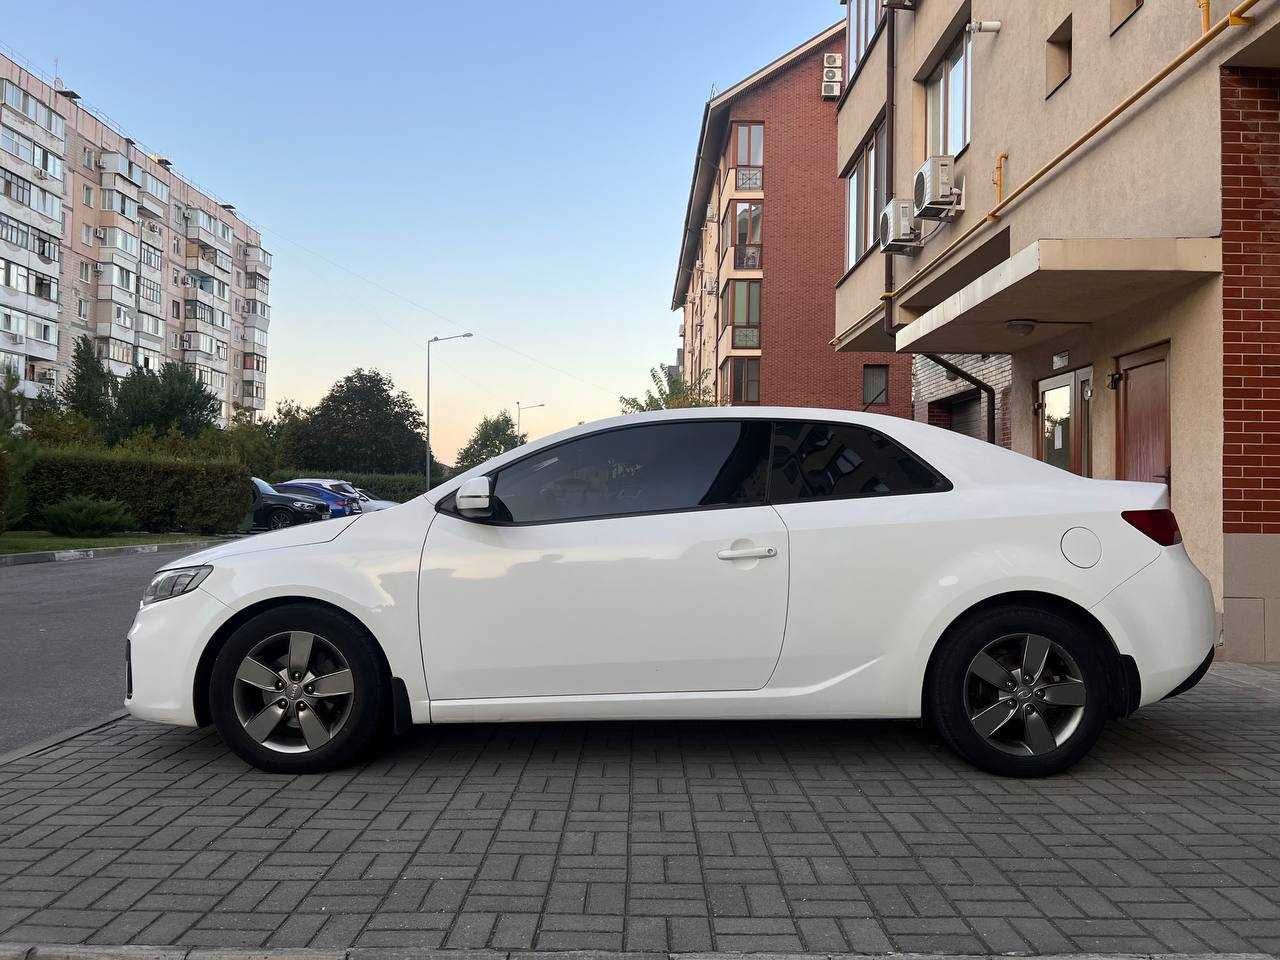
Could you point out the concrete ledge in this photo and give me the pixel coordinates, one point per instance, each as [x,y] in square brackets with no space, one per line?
[97,553]
[20,951]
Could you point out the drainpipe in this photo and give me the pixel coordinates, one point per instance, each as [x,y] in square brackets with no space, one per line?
[890,73]
[1205,21]
[986,388]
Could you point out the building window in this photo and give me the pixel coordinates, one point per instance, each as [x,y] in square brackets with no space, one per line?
[84,270]
[864,18]
[740,308]
[748,155]
[875,383]
[740,379]
[1121,11]
[949,101]
[175,309]
[866,197]
[87,196]
[744,228]
[1057,58]
[82,309]
[86,235]
[86,157]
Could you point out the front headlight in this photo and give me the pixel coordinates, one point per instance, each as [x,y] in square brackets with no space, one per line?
[301,505]
[174,583]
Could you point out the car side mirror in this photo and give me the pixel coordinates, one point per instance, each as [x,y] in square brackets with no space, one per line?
[473,497]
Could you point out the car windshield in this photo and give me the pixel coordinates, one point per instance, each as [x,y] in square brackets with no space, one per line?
[348,489]
[263,486]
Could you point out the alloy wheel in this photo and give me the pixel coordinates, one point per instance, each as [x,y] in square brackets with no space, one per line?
[280,520]
[293,692]
[1024,694]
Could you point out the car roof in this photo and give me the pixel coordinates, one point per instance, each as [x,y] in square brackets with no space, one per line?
[962,459]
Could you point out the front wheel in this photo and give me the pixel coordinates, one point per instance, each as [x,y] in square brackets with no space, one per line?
[1019,691]
[298,689]
[280,519]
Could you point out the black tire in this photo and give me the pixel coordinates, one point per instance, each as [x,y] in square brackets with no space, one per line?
[279,519]
[365,722]
[949,685]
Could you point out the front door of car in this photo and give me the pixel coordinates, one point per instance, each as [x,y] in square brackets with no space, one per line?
[641,559]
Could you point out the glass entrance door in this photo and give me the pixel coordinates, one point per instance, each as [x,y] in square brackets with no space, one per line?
[1063,419]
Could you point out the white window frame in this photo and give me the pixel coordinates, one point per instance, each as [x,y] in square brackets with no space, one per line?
[940,97]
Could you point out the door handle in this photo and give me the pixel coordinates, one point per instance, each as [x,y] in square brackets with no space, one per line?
[748,553]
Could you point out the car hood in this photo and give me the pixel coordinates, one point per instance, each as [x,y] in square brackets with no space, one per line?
[299,536]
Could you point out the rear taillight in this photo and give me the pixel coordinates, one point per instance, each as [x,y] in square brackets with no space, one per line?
[1160,525]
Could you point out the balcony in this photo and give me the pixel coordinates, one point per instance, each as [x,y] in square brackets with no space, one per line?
[257,260]
[206,238]
[254,376]
[150,206]
[250,402]
[748,178]
[748,256]
[202,265]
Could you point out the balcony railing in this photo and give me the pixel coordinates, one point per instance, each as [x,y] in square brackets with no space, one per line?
[748,256]
[746,338]
[749,178]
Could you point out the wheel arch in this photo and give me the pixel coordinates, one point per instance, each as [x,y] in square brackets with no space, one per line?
[204,666]
[1123,681]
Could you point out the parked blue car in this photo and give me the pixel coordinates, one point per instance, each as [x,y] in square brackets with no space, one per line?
[340,505]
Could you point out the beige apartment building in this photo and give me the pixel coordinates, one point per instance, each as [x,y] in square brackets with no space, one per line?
[100,238]
[1089,188]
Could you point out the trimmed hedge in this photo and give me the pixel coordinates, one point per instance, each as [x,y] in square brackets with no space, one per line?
[384,486]
[161,493]
[88,517]
[4,488]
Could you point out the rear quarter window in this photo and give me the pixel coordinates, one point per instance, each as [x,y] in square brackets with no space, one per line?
[825,461]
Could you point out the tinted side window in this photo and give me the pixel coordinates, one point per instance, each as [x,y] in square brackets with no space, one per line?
[817,460]
[642,469]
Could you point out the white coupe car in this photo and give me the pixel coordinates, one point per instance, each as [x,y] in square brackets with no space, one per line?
[716,563]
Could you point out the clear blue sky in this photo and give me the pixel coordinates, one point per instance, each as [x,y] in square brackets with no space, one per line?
[520,169]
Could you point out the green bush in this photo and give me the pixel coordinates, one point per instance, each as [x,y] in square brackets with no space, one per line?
[82,516]
[4,488]
[384,486]
[163,494]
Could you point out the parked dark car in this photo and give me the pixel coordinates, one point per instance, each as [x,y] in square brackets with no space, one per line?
[340,504]
[275,509]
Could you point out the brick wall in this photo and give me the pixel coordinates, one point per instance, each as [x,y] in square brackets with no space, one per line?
[1251,300]
[931,386]
[803,234]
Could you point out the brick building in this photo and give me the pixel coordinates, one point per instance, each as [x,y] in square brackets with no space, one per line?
[1110,234]
[763,246]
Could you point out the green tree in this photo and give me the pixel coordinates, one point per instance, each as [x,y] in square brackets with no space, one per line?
[362,424]
[89,389]
[670,392]
[16,449]
[171,401]
[492,436]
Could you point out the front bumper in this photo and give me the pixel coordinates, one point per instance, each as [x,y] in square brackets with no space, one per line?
[1163,617]
[163,649]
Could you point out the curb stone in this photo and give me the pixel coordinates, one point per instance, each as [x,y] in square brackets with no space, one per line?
[98,553]
[38,746]
[20,951]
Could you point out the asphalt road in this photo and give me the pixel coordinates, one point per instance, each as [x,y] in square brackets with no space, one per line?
[62,629]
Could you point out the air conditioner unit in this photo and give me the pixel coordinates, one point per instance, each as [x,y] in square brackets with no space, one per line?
[899,232]
[188,282]
[153,227]
[832,75]
[830,91]
[41,175]
[833,60]
[100,233]
[15,337]
[97,269]
[936,195]
[101,164]
[186,341]
[709,286]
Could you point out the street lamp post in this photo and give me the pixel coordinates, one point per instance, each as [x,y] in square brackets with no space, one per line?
[456,336]
[524,406]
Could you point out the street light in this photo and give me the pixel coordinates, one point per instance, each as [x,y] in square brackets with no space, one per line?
[456,336]
[524,406]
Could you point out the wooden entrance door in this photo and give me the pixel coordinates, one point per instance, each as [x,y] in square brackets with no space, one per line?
[1142,428]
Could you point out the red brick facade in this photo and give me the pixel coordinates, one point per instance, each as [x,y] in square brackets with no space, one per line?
[803,239]
[1251,300]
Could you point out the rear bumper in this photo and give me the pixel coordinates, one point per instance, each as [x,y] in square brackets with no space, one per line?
[1163,617]
[1192,680]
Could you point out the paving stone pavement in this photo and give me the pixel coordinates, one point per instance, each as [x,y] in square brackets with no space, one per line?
[819,838]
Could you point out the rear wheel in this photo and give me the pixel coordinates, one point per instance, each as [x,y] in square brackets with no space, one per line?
[280,519]
[298,689]
[1019,691]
